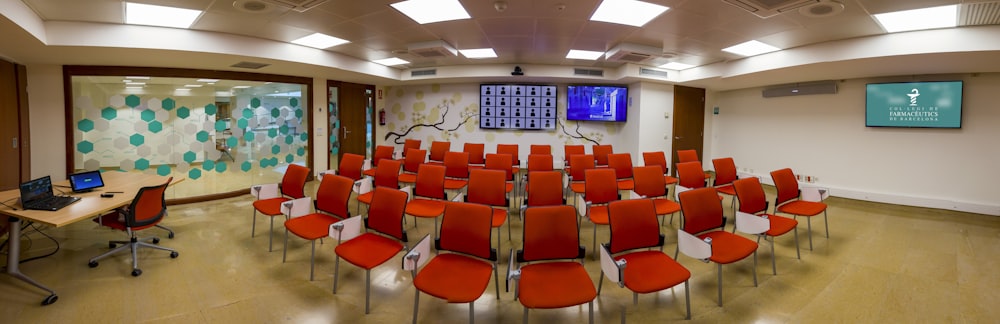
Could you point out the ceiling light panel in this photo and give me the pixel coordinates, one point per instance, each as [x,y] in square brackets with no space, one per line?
[478,53]
[391,61]
[627,12]
[432,11]
[319,41]
[144,14]
[584,55]
[917,19]
[751,48]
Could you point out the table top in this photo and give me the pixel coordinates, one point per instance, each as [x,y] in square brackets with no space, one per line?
[91,204]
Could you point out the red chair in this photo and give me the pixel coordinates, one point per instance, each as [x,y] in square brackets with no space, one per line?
[622,164]
[543,149]
[477,154]
[570,150]
[649,184]
[382,152]
[690,175]
[411,164]
[546,275]
[428,194]
[271,196]
[437,152]
[502,162]
[577,170]
[659,159]
[331,202]
[461,272]
[754,202]
[488,187]
[725,174]
[684,156]
[146,210]
[351,166]
[515,161]
[601,189]
[456,170]
[368,250]
[601,153]
[411,144]
[386,175]
[627,259]
[788,201]
[537,162]
[702,237]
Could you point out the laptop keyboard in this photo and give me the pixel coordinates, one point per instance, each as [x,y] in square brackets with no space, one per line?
[52,203]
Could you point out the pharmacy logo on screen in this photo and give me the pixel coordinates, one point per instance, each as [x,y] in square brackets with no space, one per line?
[913,96]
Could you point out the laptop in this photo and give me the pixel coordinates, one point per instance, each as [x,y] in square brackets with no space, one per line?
[86,181]
[37,194]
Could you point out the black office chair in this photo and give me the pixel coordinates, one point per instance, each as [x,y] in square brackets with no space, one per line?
[146,210]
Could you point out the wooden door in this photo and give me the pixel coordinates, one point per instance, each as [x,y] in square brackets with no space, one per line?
[689,121]
[354,101]
[15,160]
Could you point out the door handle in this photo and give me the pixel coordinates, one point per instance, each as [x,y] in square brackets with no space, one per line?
[677,137]
[345,131]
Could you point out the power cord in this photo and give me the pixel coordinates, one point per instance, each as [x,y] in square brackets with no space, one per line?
[30,242]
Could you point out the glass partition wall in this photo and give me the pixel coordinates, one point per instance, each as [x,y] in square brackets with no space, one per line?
[220,132]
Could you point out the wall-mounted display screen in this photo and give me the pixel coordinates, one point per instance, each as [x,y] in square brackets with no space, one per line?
[597,103]
[935,104]
[517,106]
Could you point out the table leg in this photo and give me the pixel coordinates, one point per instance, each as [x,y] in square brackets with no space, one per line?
[13,260]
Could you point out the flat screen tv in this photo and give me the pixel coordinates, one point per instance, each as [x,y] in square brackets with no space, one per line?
[597,103]
[933,104]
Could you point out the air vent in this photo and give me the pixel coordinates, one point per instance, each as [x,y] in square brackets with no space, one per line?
[634,53]
[799,89]
[986,13]
[249,65]
[588,72]
[298,5]
[768,8]
[432,49]
[419,73]
[652,72]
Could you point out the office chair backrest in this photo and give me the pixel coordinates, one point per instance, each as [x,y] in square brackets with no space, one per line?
[687,156]
[333,195]
[456,165]
[411,144]
[387,174]
[500,162]
[601,153]
[649,181]
[465,228]
[149,206]
[571,150]
[544,188]
[725,171]
[382,152]
[351,165]
[438,150]
[633,225]
[487,187]
[751,195]
[785,183]
[544,149]
[430,182]
[579,164]
[293,183]
[414,159]
[600,186]
[476,152]
[690,175]
[540,162]
[622,164]
[702,210]
[509,149]
[386,213]
[550,232]
[657,158]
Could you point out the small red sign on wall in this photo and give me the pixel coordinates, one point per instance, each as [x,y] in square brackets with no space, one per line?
[380,93]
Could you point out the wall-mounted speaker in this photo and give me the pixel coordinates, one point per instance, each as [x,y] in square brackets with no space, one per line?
[800,89]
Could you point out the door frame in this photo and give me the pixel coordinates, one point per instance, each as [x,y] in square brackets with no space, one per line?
[341,95]
[689,122]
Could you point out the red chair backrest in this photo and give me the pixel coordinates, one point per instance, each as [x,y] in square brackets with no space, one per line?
[601,153]
[382,152]
[411,144]
[579,164]
[413,160]
[622,164]
[690,175]
[600,185]
[386,213]
[333,195]
[751,195]
[571,150]
[387,174]
[465,228]
[702,210]
[550,232]
[785,183]
[540,162]
[350,166]
[687,156]
[476,152]
[487,187]
[430,182]
[438,150]
[544,188]
[500,162]
[725,171]
[657,158]
[456,165]
[649,181]
[540,149]
[293,183]
[633,225]
[509,149]
[149,206]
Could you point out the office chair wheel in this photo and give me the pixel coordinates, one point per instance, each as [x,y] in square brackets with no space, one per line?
[171,235]
[50,299]
[173,255]
[136,272]
[92,264]
[156,240]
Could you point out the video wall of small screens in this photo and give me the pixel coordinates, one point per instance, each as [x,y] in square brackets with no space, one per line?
[516,106]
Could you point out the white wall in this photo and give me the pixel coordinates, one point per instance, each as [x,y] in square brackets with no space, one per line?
[47,114]
[655,117]
[824,136]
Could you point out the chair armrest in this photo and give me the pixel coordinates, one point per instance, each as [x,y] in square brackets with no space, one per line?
[296,208]
[325,172]
[633,195]
[611,268]
[346,229]
[363,186]
[512,274]
[752,224]
[678,189]
[367,165]
[585,211]
[418,255]
[460,197]
[265,191]
[692,246]
[814,194]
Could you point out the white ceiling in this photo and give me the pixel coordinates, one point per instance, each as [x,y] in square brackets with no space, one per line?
[538,32]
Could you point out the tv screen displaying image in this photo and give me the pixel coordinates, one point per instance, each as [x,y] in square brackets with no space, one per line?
[934,104]
[597,103]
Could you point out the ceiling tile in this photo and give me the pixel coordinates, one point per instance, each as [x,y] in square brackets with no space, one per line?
[354,9]
[719,38]
[106,11]
[517,26]
[388,21]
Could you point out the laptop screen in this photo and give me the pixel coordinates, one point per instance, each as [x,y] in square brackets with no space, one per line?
[86,181]
[36,189]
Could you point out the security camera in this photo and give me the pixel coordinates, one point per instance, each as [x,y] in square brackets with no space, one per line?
[517,71]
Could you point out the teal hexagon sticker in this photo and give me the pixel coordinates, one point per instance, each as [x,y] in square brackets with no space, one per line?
[298,113]
[247,113]
[289,158]
[275,112]
[272,133]
[183,112]
[232,142]
[304,137]
[163,170]
[109,113]
[220,167]
[293,102]
[85,147]
[141,164]
[136,139]
[201,136]
[264,163]
[168,104]
[242,123]
[220,126]
[147,115]
[194,174]
[275,149]
[155,126]
[211,109]
[283,129]
[249,136]
[289,139]
[246,166]
[301,151]
[255,102]
[189,157]
[85,125]
[132,101]
[208,165]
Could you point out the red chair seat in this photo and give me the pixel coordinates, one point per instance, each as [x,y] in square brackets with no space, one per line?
[669,180]
[599,215]
[666,206]
[651,271]
[455,184]
[369,172]
[366,197]
[368,250]
[499,217]
[727,189]
[802,208]
[439,278]
[626,184]
[509,187]
[555,285]
[425,207]
[728,247]
[408,177]
[780,225]
[113,220]
[578,187]
[312,226]
[270,207]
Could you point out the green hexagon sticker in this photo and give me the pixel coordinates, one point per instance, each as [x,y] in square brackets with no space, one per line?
[298,113]
[202,136]
[208,165]
[304,137]
[272,133]
[275,112]
[301,151]
[155,126]
[147,115]
[141,164]
[136,139]
[275,149]
[242,123]
[132,101]
[289,158]
[211,109]
[247,113]
[249,136]
[220,167]
[293,102]
[183,112]
[283,129]
[168,104]
[255,102]
[264,163]
[109,113]
[289,139]
[232,142]
[194,174]
[220,126]
[163,170]
[85,147]
[189,157]
[85,125]
[246,166]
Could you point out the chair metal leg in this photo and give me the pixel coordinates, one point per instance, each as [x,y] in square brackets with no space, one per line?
[524,319]
[755,268]
[720,284]
[687,299]
[593,251]
[284,251]
[368,289]
[635,298]
[798,255]
[312,260]
[336,272]
[826,222]
[416,303]
[774,268]
[809,224]
[253,224]
[472,312]
[590,311]
[270,236]
[436,228]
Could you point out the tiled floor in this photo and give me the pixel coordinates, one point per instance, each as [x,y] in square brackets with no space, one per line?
[882,263]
